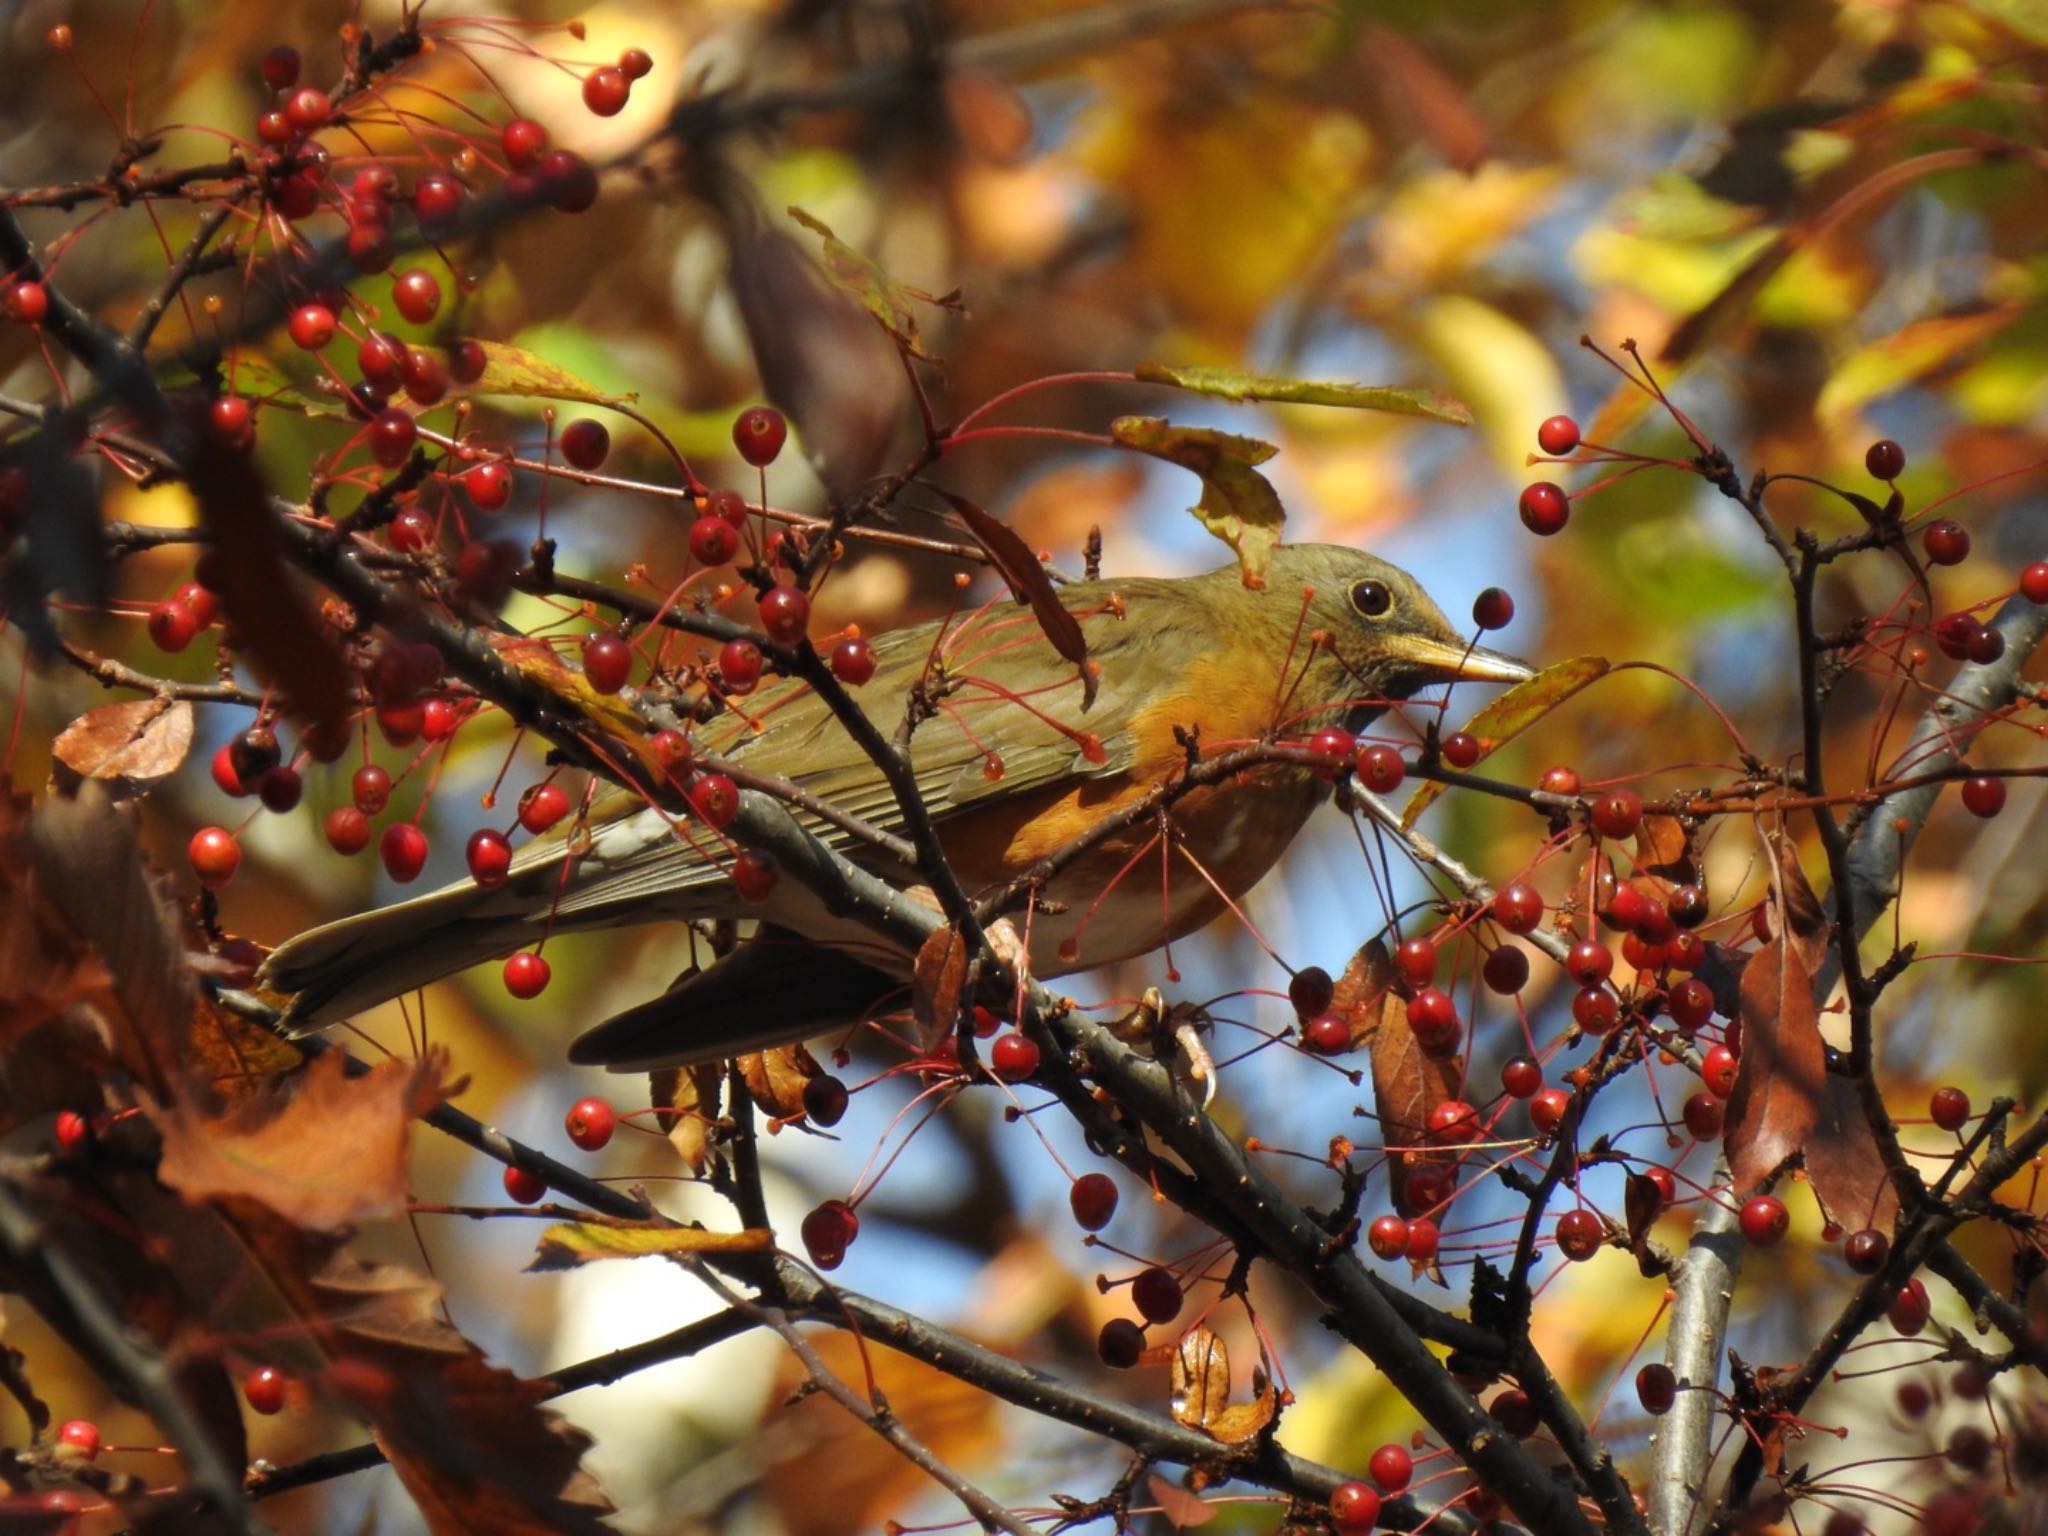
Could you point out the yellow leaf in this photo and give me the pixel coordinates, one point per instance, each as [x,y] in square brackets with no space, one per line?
[1514,712]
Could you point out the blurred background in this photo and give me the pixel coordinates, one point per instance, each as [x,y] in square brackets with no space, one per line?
[1821,221]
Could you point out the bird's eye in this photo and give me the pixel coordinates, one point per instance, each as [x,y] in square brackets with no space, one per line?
[1372,598]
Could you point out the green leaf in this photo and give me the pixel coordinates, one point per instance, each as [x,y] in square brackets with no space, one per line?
[508,370]
[1238,504]
[886,299]
[1236,384]
[1512,713]
[569,1244]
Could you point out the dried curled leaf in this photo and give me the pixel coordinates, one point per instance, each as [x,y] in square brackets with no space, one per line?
[775,1079]
[1201,1390]
[1238,505]
[1507,716]
[687,1098]
[1407,1082]
[568,1245]
[131,747]
[890,302]
[1237,384]
[936,980]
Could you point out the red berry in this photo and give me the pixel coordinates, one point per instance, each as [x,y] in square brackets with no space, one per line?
[1717,1071]
[1866,1250]
[1416,960]
[2034,582]
[1656,1387]
[25,303]
[739,665]
[673,751]
[1521,1076]
[715,799]
[1764,1221]
[1589,963]
[1518,908]
[215,856]
[1910,1308]
[348,830]
[1428,1186]
[73,1132]
[825,1099]
[566,181]
[1544,507]
[1667,1187]
[1460,749]
[1354,1509]
[1914,1399]
[1014,1057]
[1506,970]
[1391,1467]
[1596,1010]
[1311,991]
[1702,1114]
[524,1187]
[1983,795]
[265,1388]
[1953,633]
[370,246]
[1515,1413]
[281,67]
[585,443]
[1885,459]
[488,486]
[590,1123]
[311,326]
[1388,1237]
[279,788]
[785,614]
[489,857]
[1558,436]
[1616,814]
[403,848]
[526,974]
[1946,541]
[1380,768]
[754,875]
[467,360]
[828,1231]
[416,295]
[392,434]
[1559,780]
[759,433]
[1155,1292]
[1121,1344]
[172,626]
[1327,1034]
[853,662]
[523,141]
[1691,1003]
[605,90]
[82,1435]
[1493,609]
[1548,1108]
[1949,1108]
[1969,1448]
[1092,1198]
[371,789]
[1986,646]
[437,200]
[607,661]
[307,108]
[713,541]
[542,806]
[1335,748]
[1579,1235]
[1453,1122]
[1434,1019]
[1422,1240]
[229,417]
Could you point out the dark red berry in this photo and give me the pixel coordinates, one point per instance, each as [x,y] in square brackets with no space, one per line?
[1121,1344]
[1946,541]
[636,62]
[1949,1108]
[1515,1413]
[825,1099]
[759,433]
[73,1132]
[828,1231]
[1521,1076]
[1544,507]
[1616,814]
[566,181]
[1354,1509]
[785,614]
[713,541]
[1334,748]
[279,788]
[1461,749]
[371,789]
[1691,1003]
[489,856]
[1765,1221]
[416,295]
[1589,962]
[585,443]
[1885,459]
[1579,1235]
[524,1187]
[1702,1114]
[1548,1109]
[605,91]
[437,200]
[590,1123]
[1493,609]
[1910,1308]
[266,1389]
[1453,1122]
[1428,1186]
[523,141]
[1717,1071]
[542,806]
[307,108]
[1156,1295]
[853,661]
[392,434]
[1327,1034]
[2034,582]
[715,798]
[1506,970]
[526,974]
[1983,795]
[172,626]
[1014,1057]
[1416,960]
[1380,768]
[281,67]
[1518,908]
[1388,1237]
[488,486]
[1310,990]
[1866,1250]
[348,830]
[1656,1387]
[1558,436]
[1093,1200]
[403,848]
[1596,1010]
[311,326]
[82,1436]
[755,875]
[1391,1467]
[1434,1019]
[607,662]
[215,856]
[739,666]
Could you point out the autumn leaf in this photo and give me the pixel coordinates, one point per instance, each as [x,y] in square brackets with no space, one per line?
[326,1151]
[892,303]
[568,1245]
[1237,384]
[1513,712]
[1786,1104]
[1238,505]
[1407,1082]
[131,747]
[776,1078]
[1028,583]
[937,977]
[1201,1390]
[686,1101]
[1183,1509]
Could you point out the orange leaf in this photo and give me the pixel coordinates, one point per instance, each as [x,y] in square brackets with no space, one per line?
[775,1079]
[1407,1082]
[132,746]
[1201,1390]
[687,1098]
[939,973]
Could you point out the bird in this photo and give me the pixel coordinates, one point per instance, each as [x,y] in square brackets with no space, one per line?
[1012,763]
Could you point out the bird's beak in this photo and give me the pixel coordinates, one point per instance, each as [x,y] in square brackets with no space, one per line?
[1450,662]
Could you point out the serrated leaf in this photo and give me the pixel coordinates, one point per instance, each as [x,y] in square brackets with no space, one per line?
[1513,712]
[889,301]
[1238,384]
[510,370]
[1238,504]
[571,1243]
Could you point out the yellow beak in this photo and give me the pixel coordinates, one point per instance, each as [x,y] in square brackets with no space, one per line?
[1452,662]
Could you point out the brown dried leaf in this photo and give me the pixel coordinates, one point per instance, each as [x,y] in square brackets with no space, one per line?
[1201,1390]
[688,1100]
[1183,1508]
[1433,104]
[775,1079]
[46,968]
[326,1153]
[1664,851]
[936,980]
[568,1245]
[132,746]
[1028,583]
[1407,1082]
[1642,1201]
